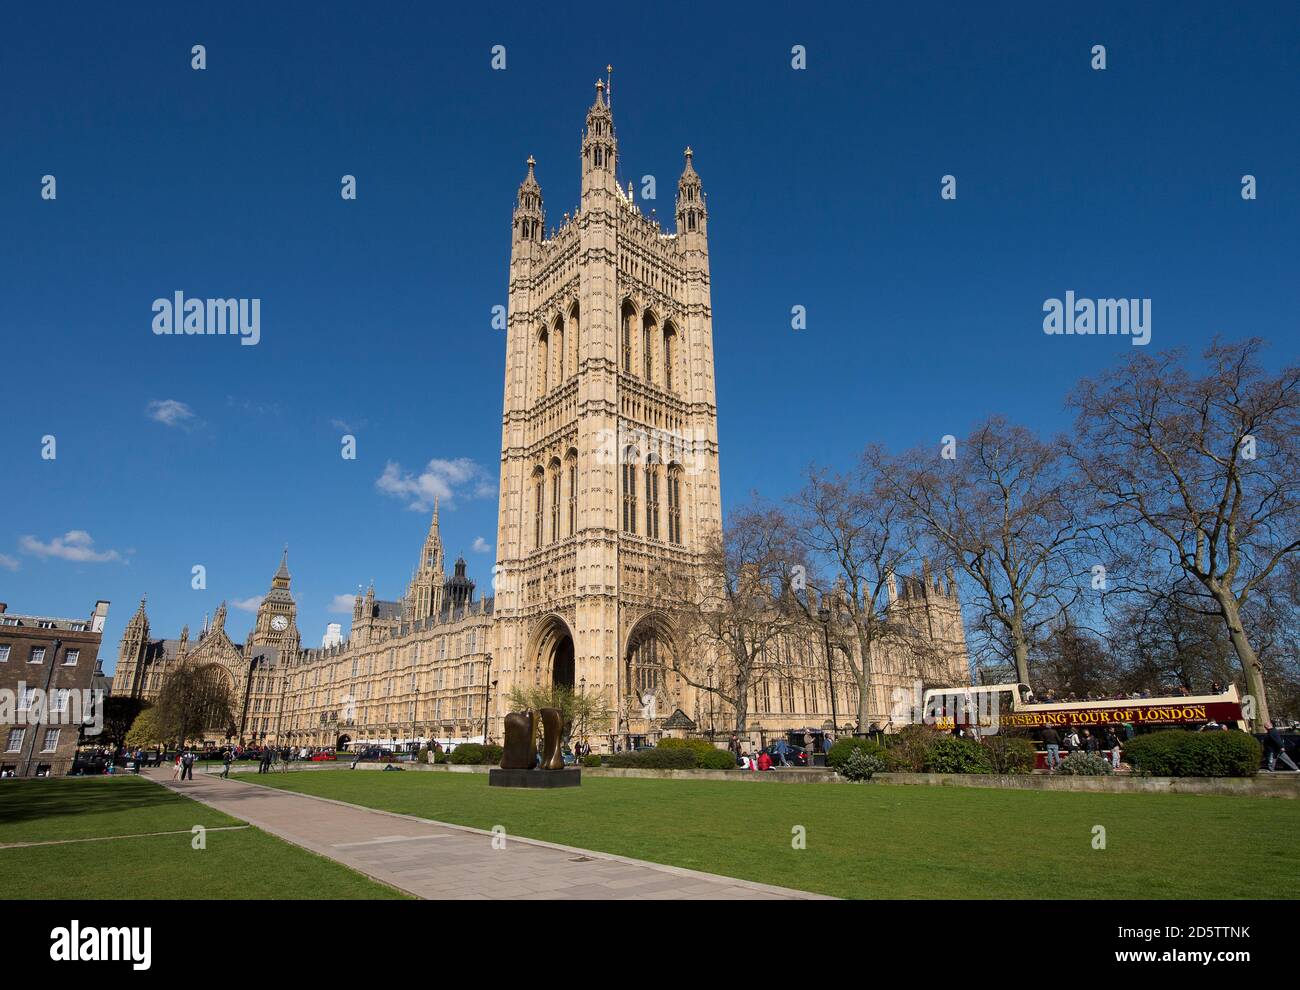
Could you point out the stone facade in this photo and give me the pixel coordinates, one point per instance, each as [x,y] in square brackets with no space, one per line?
[609,478]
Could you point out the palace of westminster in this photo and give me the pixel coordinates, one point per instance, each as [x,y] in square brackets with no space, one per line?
[609,471]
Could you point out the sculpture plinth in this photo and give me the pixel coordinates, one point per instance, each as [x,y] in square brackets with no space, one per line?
[543,779]
[520,764]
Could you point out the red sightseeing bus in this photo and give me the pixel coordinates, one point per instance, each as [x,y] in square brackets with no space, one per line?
[1002,706]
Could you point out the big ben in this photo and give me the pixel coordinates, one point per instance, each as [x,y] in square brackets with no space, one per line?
[276,623]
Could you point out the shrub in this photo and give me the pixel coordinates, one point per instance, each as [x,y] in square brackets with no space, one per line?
[439,756]
[1081,764]
[422,756]
[1180,753]
[654,759]
[846,746]
[908,748]
[591,760]
[716,759]
[861,764]
[492,754]
[948,754]
[466,753]
[1009,754]
[700,747]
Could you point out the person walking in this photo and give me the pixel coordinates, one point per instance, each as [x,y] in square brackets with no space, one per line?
[187,766]
[226,757]
[176,768]
[1052,741]
[1275,746]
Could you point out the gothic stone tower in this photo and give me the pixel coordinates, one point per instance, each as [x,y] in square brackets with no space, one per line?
[276,624]
[609,452]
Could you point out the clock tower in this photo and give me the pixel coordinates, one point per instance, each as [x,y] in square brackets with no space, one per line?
[276,623]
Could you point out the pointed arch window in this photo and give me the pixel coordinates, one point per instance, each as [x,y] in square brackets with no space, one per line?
[670,348]
[539,498]
[559,351]
[647,348]
[575,341]
[572,460]
[629,317]
[630,459]
[675,505]
[543,359]
[651,499]
[555,500]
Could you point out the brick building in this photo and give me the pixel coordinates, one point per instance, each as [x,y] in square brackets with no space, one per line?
[47,671]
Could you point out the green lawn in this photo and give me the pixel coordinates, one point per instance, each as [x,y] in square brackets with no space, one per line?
[876,840]
[239,864]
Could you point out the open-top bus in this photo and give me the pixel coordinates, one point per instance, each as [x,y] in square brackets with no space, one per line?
[995,707]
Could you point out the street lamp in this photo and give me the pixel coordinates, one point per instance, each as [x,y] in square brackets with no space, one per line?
[825,613]
[488,684]
[582,705]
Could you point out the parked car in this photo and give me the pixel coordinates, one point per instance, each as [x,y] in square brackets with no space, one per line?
[376,753]
[322,756]
[796,756]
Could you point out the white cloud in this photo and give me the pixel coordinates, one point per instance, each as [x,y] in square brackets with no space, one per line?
[342,604]
[247,604]
[75,545]
[171,412]
[481,545]
[445,479]
[8,563]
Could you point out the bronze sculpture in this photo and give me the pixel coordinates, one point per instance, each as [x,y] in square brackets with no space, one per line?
[520,749]
[552,724]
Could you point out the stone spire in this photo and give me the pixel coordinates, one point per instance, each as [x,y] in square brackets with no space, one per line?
[529,217]
[599,148]
[692,217]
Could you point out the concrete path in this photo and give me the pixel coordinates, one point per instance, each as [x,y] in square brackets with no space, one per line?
[437,860]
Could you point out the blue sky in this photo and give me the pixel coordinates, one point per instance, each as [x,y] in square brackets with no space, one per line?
[823,186]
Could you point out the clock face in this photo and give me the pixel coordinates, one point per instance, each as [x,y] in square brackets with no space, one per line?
[279,623]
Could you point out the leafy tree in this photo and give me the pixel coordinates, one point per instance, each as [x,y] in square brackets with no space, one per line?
[145,730]
[582,712]
[194,698]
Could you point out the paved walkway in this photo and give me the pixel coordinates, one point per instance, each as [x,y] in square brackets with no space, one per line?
[436,860]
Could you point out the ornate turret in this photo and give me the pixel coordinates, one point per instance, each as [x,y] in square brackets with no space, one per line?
[529,218]
[424,594]
[692,216]
[459,588]
[129,672]
[599,148]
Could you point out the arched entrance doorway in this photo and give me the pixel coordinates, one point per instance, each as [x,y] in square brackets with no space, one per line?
[562,663]
[649,653]
[554,653]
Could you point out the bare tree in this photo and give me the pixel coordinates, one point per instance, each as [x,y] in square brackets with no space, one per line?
[852,537]
[1202,472]
[1006,511]
[194,698]
[732,610]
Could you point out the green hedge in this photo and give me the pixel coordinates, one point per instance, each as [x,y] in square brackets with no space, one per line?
[948,754]
[671,758]
[843,747]
[700,747]
[1180,753]
[909,748]
[1082,764]
[591,760]
[466,754]
[715,759]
